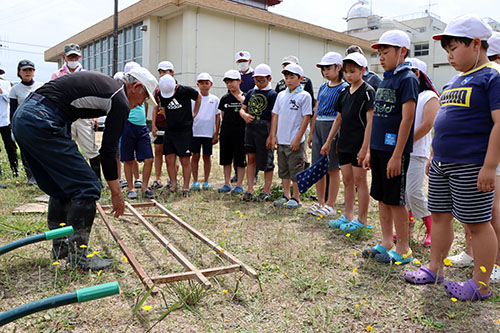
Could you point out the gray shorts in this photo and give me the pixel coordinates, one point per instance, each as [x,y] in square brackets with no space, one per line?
[290,162]
[321,131]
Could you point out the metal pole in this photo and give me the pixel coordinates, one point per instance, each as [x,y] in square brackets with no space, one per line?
[115,39]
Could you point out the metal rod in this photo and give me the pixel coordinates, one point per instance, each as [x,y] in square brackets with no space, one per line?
[190,275]
[219,250]
[176,253]
[130,256]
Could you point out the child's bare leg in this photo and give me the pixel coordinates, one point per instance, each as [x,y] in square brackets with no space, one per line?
[333,187]
[349,190]
[400,218]
[128,170]
[296,191]
[251,166]
[363,194]
[240,176]
[495,220]
[207,166]
[136,170]
[227,174]
[186,171]
[442,238]
[195,159]
[320,190]
[485,247]
[146,173]
[286,187]
[171,169]
[158,161]
[268,180]
[385,215]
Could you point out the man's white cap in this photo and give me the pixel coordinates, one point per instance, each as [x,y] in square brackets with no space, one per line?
[331,58]
[262,70]
[469,25]
[204,76]
[167,86]
[358,58]
[493,44]
[291,59]
[166,66]
[232,74]
[396,38]
[417,64]
[118,76]
[148,81]
[293,68]
[242,55]
[129,66]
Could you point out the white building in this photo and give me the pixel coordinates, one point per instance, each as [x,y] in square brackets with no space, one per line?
[203,36]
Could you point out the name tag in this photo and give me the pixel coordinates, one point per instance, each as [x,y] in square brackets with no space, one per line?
[390,139]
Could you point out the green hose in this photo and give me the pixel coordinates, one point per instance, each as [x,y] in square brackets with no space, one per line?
[48,235]
[80,296]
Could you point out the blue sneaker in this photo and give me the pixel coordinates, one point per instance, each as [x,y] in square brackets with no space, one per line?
[338,222]
[224,189]
[196,187]
[207,186]
[237,190]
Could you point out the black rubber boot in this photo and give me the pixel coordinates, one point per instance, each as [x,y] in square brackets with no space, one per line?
[57,214]
[81,216]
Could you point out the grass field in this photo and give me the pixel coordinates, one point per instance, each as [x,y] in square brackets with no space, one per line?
[311,277]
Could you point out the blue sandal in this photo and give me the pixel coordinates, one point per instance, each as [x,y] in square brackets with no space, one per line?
[372,252]
[354,225]
[394,257]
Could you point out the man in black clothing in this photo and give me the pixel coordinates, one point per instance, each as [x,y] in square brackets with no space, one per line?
[42,127]
[306,83]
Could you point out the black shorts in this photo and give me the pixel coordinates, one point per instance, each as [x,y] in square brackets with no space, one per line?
[389,191]
[198,142]
[178,142]
[348,158]
[256,134]
[232,148]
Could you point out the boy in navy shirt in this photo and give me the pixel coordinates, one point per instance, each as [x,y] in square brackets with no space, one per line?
[391,144]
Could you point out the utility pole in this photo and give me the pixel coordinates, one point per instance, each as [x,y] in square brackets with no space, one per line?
[115,39]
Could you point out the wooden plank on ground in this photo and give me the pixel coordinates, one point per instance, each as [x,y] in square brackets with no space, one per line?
[191,275]
[31,208]
[42,198]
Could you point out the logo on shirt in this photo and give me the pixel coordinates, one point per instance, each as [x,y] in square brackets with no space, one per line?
[174,105]
[457,96]
[235,106]
[467,79]
[385,102]
[293,105]
[257,104]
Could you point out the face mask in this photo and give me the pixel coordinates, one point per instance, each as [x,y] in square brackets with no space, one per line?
[73,64]
[243,66]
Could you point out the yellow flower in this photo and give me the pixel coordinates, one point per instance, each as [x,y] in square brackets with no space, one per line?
[404,256]
[369,328]
[286,274]
[356,306]
[62,224]
[355,254]
[447,262]
[147,307]
[237,212]
[339,211]
[55,263]
[482,269]
[453,299]
[125,259]
[90,255]
[417,262]
[224,291]
[242,215]
[348,235]
[95,252]
[354,270]
[249,250]
[451,316]
[320,216]
[310,225]
[83,246]
[397,263]
[482,283]
[224,231]
[364,302]
[284,203]
[498,321]
[99,273]
[221,250]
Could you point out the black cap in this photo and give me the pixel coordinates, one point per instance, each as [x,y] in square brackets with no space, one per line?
[25,63]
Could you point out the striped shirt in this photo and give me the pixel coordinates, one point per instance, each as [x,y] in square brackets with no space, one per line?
[326,99]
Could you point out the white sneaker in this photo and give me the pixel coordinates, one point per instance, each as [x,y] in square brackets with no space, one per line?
[462,260]
[495,274]
[314,208]
[326,211]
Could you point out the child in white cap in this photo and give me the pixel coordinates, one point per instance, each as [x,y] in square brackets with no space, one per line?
[205,131]
[391,143]
[354,120]
[465,145]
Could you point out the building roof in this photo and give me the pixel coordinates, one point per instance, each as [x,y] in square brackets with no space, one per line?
[145,8]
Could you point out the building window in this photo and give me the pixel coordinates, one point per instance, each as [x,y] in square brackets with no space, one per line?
[421,49]
[98,55]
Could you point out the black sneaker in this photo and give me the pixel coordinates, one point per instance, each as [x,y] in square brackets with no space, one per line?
[248,197]
[234,179]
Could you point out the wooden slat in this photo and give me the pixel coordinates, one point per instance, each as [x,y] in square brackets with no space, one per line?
[149,215]
[191,275]
[226,254]
[141,204]
[130,256]
[176,253]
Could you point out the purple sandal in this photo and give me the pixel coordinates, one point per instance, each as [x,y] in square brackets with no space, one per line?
[423,276]
[465,291]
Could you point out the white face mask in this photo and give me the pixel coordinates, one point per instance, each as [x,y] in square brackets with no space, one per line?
[243,66]
[73,64]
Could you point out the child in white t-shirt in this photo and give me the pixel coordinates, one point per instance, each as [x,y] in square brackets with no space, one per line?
[290,117]
[206,126]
